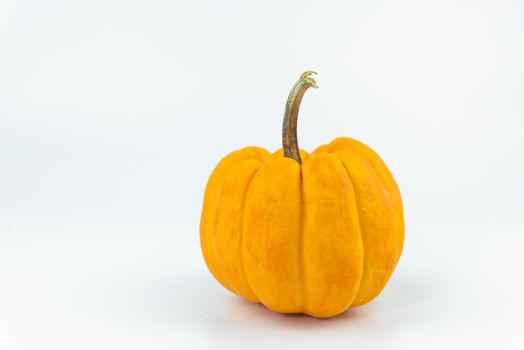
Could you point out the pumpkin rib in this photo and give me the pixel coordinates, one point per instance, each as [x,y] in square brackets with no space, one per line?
[257,153]
[210,208]
[271,252]
[381,169]
[209,217]
[332,249]
[228,212]
[361,231]
[241,239]
[371,228]
[321,149]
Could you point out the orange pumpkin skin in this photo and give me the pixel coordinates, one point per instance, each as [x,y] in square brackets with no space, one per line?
[316,238]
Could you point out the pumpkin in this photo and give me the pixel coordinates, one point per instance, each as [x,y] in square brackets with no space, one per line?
[303,233]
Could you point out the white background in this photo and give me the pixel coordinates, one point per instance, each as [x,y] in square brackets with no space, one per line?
[114,113]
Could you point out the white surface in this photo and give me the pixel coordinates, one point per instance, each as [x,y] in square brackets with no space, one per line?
[113,114]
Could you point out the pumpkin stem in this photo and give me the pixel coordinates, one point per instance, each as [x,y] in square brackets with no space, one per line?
[289,127]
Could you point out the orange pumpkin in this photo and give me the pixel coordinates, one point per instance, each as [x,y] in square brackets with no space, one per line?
[313,234]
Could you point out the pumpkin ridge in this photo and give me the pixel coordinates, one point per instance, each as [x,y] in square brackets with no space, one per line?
[212,235]
[360,229]
[363,156]
[399,216]
[251,153]
[226,173]
[242,239]
[332,237]
[388,201]
[270,257]
[211,264]
[359,213]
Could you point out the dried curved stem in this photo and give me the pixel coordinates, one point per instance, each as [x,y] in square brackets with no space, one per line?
[289,126]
